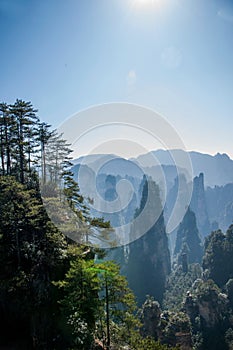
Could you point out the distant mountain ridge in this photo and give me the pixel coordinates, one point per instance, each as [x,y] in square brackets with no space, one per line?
[218,169]
[212,181]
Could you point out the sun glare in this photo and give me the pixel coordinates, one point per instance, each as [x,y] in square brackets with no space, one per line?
[146,3]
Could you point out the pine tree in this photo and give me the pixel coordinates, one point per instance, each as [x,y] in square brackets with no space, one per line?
[25,120]
[44,134]
[57,158]
[31,250]
[6,124]
[97,297]
[34,253]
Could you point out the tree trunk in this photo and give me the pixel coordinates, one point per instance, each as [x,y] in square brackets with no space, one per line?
[21,155]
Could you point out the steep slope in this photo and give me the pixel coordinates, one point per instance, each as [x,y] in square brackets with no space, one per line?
[148,262]
[199,206]
[188,239]
[219,202]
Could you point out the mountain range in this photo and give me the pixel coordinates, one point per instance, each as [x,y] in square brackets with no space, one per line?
[211,179]
[218,169]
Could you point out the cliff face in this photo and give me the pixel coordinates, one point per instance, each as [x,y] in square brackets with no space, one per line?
[167,327]
[150,316]
[188,240]
[220,205]
[211,205]
[148,260]
[211,310]
[209,314]
[149,263]
[199,206]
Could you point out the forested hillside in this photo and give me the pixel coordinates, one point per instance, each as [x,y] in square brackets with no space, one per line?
[59,291]
[55,292]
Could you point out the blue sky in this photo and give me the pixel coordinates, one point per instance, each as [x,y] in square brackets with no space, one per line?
[175,56]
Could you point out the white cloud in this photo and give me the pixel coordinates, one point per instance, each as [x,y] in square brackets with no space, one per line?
[131,77]
[225,15]
[171,57]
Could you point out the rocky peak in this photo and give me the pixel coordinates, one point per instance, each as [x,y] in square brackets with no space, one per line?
[198,205]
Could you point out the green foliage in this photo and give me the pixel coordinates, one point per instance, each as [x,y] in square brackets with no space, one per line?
[80,305]
[149,316]
[138,343]
[32,253]
[118,301]
[178,284]
[18,144]
[97,297]
[165,326]
[55,295]
[99,222]
[206,291]
[229,289]
[218,258]
[213,315]
[174,325]
[229,338]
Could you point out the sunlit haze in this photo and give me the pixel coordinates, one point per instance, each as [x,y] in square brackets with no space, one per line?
[145,2]
[173,56]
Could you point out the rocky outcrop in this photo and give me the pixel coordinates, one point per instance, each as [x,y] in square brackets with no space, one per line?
[220,205]
[167,327]
[199,206]
[209,314]
[188,241]
[148,263]
[208,303]
[150,317]
[184,340]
